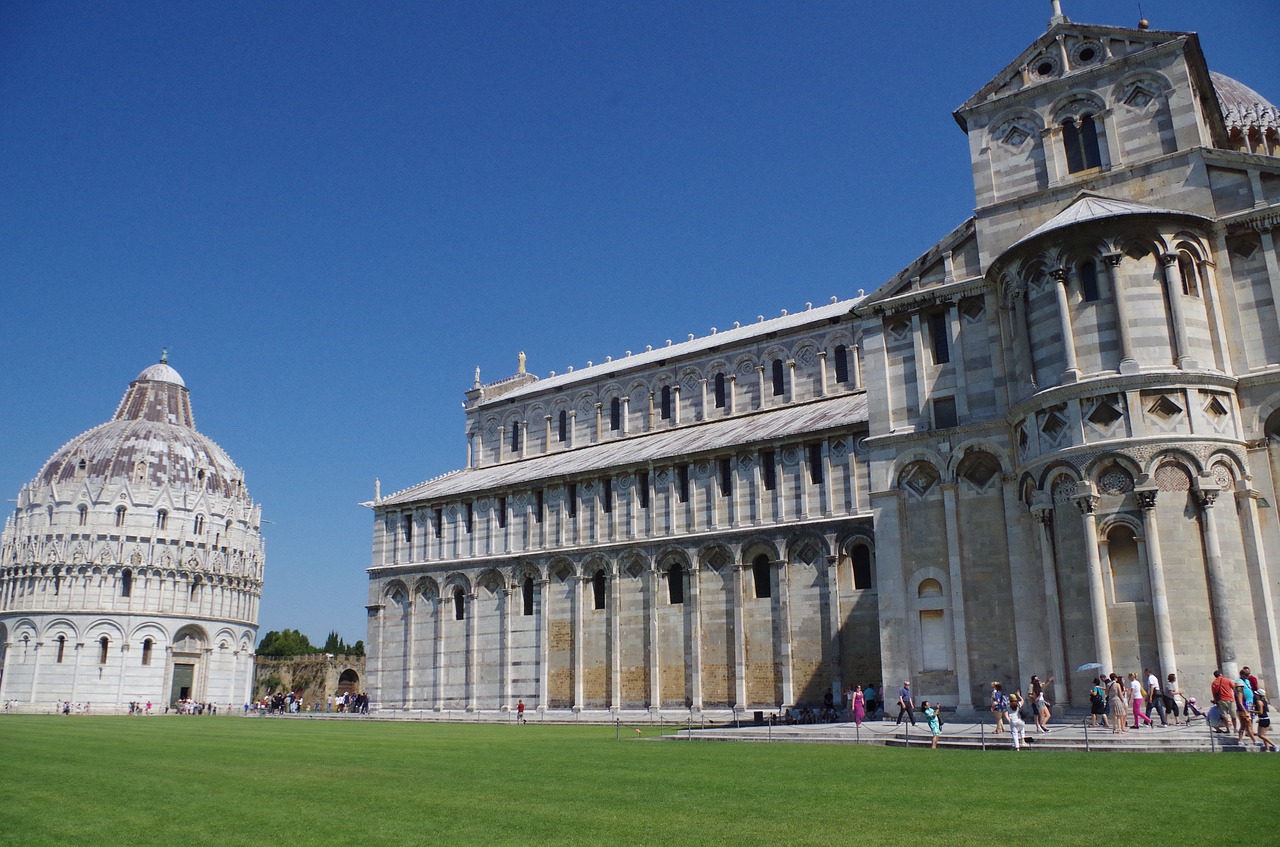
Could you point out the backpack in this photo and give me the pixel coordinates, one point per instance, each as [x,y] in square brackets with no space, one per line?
[1095,698]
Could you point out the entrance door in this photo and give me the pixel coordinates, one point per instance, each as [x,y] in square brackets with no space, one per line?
[183,674]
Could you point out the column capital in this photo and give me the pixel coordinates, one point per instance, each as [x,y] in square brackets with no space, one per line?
[1043,514]
[1060,274]
[1169,259]
[1146,497]
[1086,503]
[1207,497]
[1112,260]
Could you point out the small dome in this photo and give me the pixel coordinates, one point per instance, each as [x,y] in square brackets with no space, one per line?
[161,372]
[1242,107]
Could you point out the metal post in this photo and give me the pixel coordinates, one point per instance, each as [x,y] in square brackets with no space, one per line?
[982,732]
[1086,737]
[617,735]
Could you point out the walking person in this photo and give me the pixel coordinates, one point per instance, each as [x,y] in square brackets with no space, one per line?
[1098,702]
[520,712]
[1224,697]
[1171,695]
[935,721]
[1135,700]
[859,705]
[1155,697]
[905,704]
[1116,705]
[1244,709]
[1262,720]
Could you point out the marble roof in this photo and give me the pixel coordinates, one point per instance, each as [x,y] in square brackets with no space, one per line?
[1088,207]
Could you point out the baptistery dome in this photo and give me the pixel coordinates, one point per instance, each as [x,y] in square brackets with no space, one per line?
[131,568]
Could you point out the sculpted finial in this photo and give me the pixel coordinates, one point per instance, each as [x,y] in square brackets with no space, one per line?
[164,355]
[476,384]
[520,358]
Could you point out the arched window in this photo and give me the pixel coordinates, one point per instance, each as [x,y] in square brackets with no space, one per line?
[721,397]
[406,527]
[62,648]
[761,572]
[147,644]
[84,514]
[1080,142]
[935,645]
[515,436]
[842,363]
[779,378]
[665,403]
[861,567]
[162,519]
[563,432]
[103,647]
[526,592]
[597,589]
[1187,270]
[120,513]
[615,414]
[1128,577]
[675,584]
[126,583]
[1088,270]
[459,605]
[199,525]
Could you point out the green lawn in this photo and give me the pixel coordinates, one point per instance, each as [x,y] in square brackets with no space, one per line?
[89,781]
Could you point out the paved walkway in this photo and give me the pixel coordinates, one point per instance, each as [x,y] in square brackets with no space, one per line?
[1064,734]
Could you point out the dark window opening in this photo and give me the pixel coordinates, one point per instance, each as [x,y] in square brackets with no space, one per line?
[470,517]
[769,468]
[572,497]
[406,526]
[815,464]
[564,426]
[146,651]
[940,337]
[1088,281]
[439,523]
[682,483]
[597,589]
[126,583]
[779,379]
[84,515]
[643,485]
[944,413]
[526,593]
[726,477]
[62,647]
[675,584]
[665,411]
[162,519]
[502,512]
[199,525]
[615,414]
[515,436]
[104,646]
[861,567]
[538,506]
[1187,270]
[459,605]
[120,513]
[721,400]
[607,495]
[1080,142]
[842,363]
[760,571]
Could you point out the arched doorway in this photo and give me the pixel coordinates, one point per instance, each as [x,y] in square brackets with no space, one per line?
[186,664]
[348,682]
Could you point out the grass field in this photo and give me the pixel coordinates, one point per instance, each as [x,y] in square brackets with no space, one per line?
[133,782]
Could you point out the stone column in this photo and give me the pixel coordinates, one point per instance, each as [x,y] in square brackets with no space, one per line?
[1071,373]
[626,415]
[833,625]
[579,587]
[826,478]
[760,379]
[544,642]
[732,387]
[655,687]
[471,650]
[955,576]
[524,438]
[1087,502]
[573,427]
[649,425]
[1259,576]
[702,402]
[410,652]
[739,639]
[437,671]
[1273,271]
[1053,606]
[789,390]
[1209,289]
[784,611]
[675,404]
[1173,289]
[1128,364]
[1022,362]
[615,639]
[599,422]
[373,663]
[505,624]
[546,447]
[77,650]
[856,366]
[1159,594]
[4,670]
[822,373]
[694,611]
[1206,491]
[471,449]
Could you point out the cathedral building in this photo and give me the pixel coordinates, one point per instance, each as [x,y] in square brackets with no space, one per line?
[1048,445]
[131,568]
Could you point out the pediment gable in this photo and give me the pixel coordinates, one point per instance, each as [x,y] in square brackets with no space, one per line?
[1062,51]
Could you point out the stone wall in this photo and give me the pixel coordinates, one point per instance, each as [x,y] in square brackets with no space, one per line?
[317,676]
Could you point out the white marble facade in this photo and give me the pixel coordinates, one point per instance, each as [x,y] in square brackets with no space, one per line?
[131,568]
[1053,439]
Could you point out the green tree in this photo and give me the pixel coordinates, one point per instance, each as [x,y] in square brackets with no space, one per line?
[289,642]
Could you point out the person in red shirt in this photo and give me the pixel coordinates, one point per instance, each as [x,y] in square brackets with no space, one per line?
[1224,694]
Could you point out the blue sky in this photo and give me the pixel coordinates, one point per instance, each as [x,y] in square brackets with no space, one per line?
[331,213]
